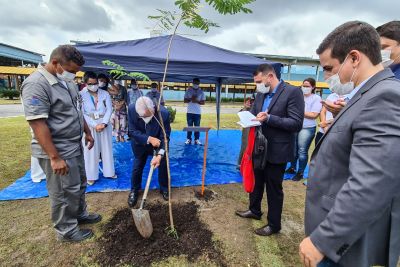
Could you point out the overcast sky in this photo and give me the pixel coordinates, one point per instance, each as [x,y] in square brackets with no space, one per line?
[276,27]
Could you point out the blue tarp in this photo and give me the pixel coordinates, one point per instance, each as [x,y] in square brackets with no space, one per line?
[188,59]
[186,165]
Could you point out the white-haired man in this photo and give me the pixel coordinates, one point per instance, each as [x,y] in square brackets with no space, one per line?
[146,137]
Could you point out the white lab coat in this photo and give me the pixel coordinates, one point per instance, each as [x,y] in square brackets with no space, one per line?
[103,140]
[37,174]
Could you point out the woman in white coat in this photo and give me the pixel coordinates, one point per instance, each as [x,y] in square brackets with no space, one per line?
[97,110]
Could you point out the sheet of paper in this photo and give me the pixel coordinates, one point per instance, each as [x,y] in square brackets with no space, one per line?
[246,119]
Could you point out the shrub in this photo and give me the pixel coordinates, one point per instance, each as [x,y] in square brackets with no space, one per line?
[9,93]
[172,113]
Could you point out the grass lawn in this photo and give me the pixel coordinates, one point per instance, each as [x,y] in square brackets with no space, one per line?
[5,101]
[27,237]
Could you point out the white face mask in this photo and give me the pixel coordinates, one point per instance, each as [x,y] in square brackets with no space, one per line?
[386,61]
[306,90]
[66,76]
[336,86]
[102,84]
[196,86]
[262,88]
[147,119]
[93,88]
[134,86]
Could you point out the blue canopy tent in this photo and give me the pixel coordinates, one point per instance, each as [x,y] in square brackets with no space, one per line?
[188,59]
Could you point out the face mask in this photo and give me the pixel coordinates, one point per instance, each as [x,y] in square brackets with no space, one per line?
[134,86]
[306,90]
[336,86]
[154,89]
[116,82]
[147,119]
[93,87]
[102,84]
[196,86]
[262,88]
[66,76]
[386,61]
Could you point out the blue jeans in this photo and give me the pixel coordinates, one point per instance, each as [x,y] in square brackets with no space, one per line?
[303,142]
[193,120]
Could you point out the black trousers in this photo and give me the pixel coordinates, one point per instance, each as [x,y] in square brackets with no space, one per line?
[318,137]
[137,172]
[271,179]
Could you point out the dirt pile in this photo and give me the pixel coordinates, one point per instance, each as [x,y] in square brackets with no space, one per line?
[122,244]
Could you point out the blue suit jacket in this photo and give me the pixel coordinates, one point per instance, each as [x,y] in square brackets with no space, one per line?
[286,111]
[139,132]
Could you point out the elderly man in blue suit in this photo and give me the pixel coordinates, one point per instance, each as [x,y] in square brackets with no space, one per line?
[147,138]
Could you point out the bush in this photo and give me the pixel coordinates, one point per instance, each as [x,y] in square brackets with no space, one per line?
[172,113]
[224,99]
[9,93]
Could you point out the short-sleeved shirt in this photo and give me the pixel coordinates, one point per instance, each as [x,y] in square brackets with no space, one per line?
[194,108]
[155,96]
[329,116]
[133,95]
[46,97]
[312,103]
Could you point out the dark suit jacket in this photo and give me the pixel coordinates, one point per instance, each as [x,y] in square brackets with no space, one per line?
[286,112]
[353,194]
[139,132]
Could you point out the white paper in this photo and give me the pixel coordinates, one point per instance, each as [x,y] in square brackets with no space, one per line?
[246,119]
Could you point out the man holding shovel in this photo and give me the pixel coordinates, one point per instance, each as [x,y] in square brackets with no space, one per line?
[146,137]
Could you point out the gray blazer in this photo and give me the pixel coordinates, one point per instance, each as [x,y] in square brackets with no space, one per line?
[352,209]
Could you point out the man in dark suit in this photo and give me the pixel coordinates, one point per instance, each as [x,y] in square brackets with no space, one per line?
[280,109]
[146,137]
[352,211]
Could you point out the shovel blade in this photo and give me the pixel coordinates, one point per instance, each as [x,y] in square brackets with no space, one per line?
[142,221]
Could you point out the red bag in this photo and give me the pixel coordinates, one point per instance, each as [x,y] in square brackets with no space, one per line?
[246,166]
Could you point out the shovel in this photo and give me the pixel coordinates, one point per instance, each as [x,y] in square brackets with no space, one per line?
[141,217]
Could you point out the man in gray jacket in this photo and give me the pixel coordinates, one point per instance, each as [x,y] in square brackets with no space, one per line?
[352,215]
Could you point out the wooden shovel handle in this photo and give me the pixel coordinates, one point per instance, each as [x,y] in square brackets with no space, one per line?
[146,190]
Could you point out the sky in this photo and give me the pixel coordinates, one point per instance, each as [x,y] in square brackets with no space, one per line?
[292,28]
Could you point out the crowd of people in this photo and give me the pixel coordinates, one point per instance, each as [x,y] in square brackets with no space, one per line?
[352,207]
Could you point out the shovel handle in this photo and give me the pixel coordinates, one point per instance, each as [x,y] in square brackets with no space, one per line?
[146,190]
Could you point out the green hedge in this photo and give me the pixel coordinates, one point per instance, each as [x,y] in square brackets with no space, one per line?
[9,93]
[225,100]
[172,113]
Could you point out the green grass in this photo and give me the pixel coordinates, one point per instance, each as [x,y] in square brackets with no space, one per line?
[227,121]
[6,101]
[14,149]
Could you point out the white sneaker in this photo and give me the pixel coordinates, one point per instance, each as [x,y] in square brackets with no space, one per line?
[197,142]
[188,142]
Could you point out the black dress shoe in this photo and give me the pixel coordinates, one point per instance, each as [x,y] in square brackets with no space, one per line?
[133,199]
[78,236]
[165,195]
[91,218]
[248,214]
[265,231]
[297,177]
[290,170]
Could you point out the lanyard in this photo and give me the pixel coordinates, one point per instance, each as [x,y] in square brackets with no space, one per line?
[93,101]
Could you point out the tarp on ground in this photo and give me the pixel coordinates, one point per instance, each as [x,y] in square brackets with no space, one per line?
[186,165]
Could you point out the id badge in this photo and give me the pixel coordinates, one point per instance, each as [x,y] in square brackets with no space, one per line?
[96,116]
